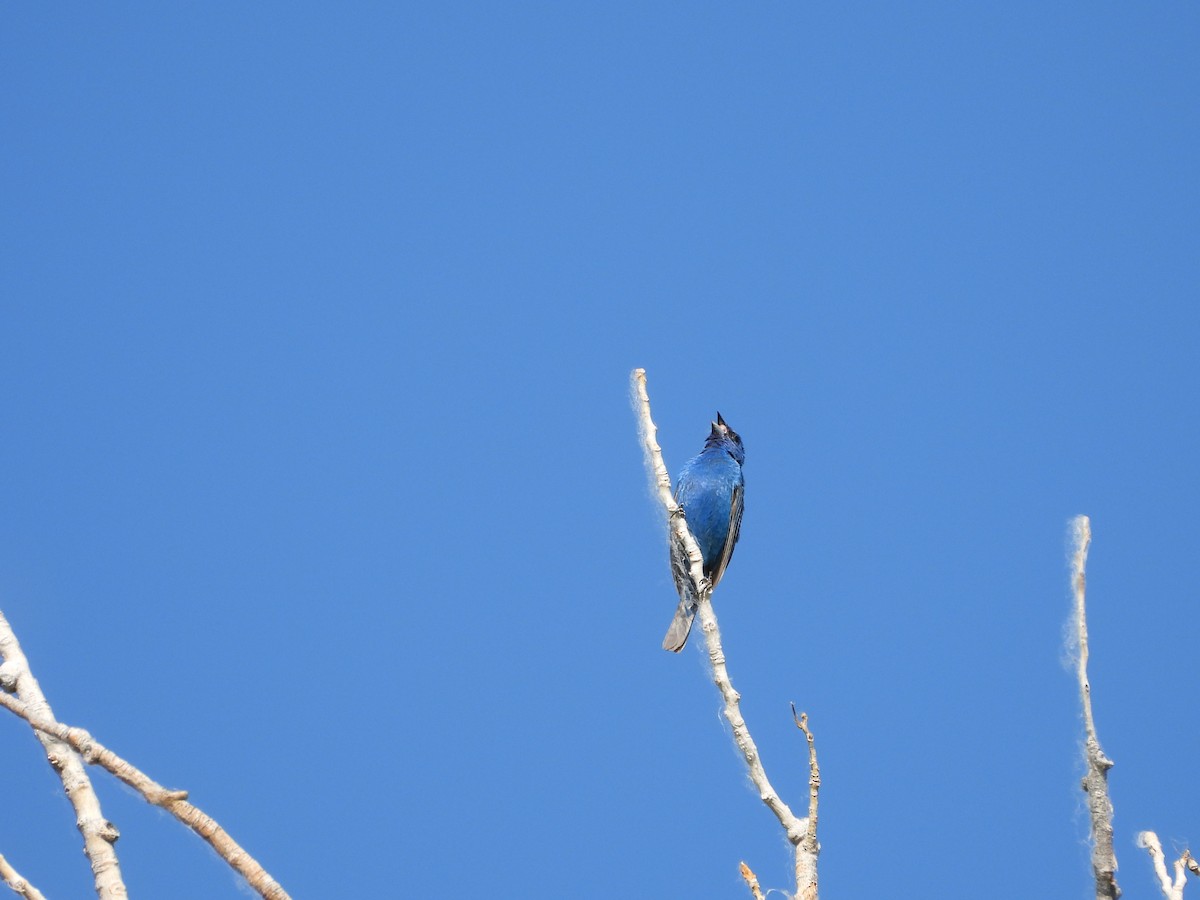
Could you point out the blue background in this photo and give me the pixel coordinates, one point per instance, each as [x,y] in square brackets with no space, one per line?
[322,496]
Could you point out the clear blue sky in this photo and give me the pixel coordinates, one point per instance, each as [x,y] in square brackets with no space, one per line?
[322,496]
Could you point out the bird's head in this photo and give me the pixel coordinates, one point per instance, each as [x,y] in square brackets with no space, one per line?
[727,439]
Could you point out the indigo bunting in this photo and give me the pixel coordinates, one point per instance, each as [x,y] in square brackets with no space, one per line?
[710,491]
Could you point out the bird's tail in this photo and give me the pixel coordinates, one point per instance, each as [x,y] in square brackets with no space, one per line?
[681,625]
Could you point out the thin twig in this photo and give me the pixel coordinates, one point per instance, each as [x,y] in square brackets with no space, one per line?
[1095,782]
[1171,889]
[751,880]
[99,834]
[810,845]
[795,827]
[174,802]
[16,883]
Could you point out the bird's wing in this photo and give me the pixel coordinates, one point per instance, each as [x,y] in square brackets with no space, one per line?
[735,526]
[681,570]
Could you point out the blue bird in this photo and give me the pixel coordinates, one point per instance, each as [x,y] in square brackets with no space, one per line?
[710,491]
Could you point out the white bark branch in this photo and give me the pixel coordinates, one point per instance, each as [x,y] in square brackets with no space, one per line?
[806,876]
[174,802]
[99,834]
[16,883]
[795,827]
[1095,782]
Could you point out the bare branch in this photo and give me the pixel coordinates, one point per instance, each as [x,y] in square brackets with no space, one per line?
[807,878]
[1095,782]
[661,482]
[795,827]
[19,885]
[751,881]
[1171,889]
[99,834]
[174,802]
